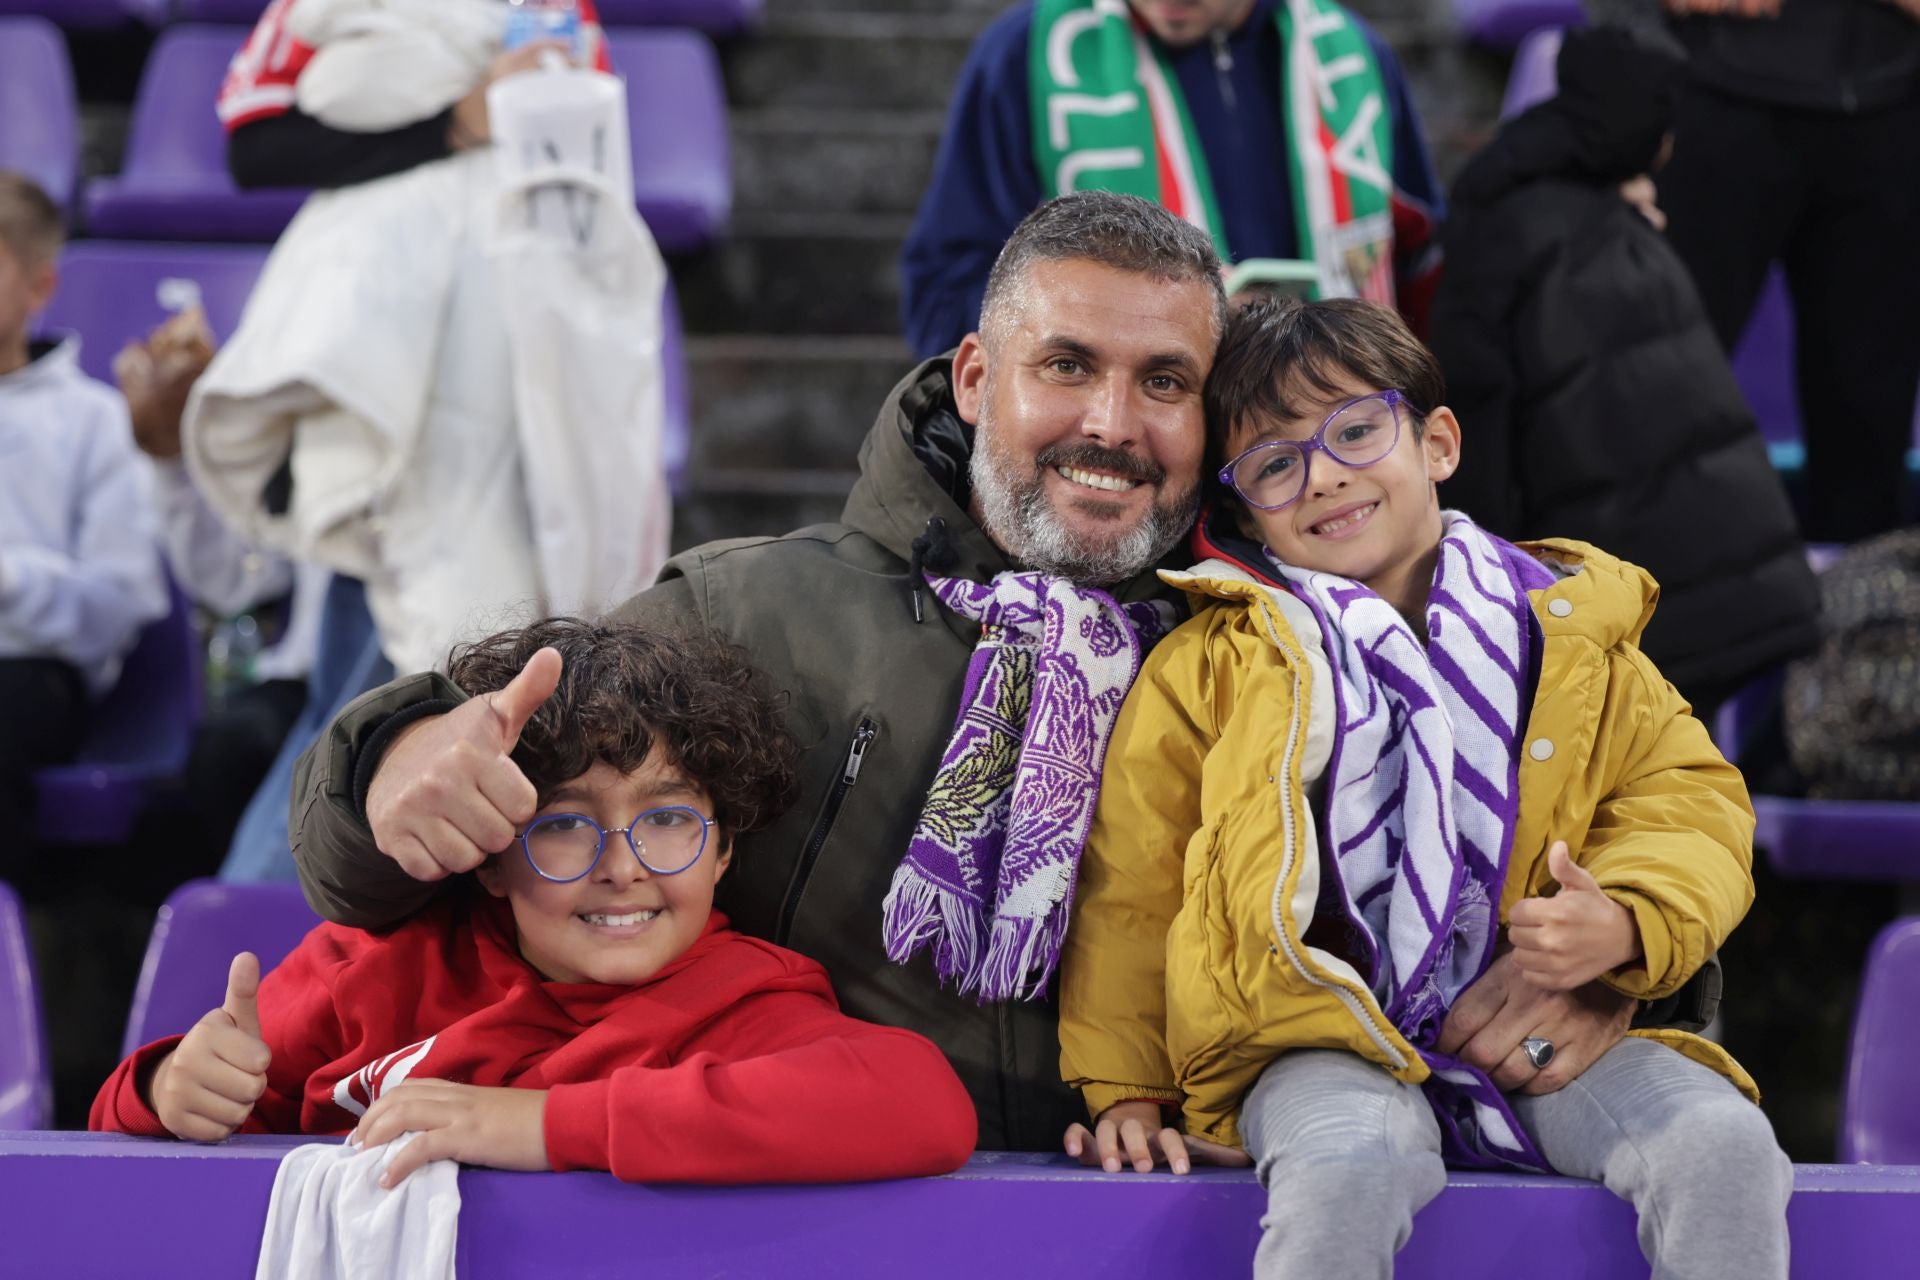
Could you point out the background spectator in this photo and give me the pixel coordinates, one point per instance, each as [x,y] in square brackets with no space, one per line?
[1596,398]
[1797,138]
[1213,130]
[80,573]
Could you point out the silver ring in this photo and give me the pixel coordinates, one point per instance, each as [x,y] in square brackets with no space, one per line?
[1538,1049]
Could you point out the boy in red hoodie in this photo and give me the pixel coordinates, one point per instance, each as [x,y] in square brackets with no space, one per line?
[579,1005]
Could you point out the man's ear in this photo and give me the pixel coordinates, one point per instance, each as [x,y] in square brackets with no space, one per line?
[490,876]
[970,377]
[1441,441]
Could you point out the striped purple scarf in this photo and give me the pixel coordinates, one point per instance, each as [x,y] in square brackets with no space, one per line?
[1422,794]
[987,880]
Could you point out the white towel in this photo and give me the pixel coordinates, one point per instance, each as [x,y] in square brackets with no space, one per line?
[329,1219]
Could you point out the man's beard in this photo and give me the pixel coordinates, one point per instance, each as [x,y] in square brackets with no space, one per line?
[1016,513]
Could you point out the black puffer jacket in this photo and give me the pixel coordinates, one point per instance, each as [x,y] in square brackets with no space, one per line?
[1594,400]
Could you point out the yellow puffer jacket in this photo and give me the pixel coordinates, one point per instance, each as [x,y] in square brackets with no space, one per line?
[1186,970]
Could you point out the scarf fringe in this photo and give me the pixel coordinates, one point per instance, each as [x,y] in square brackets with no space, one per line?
[919,913]
[1021,956]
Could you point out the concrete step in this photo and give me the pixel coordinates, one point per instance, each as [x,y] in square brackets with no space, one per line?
[865,61]
[797,273]
[785,403]
[822,160]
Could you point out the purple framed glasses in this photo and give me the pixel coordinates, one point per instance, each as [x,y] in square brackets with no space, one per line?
[1359,433]
[562,847]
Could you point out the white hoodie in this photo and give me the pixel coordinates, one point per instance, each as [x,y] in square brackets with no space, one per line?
[80,570]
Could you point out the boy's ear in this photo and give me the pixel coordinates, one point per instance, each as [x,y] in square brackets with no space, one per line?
[1441,441]
[42,279]
[491,878]
[724,858]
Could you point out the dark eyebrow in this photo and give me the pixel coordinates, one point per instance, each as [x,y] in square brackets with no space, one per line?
[1057,344]
[1174,359]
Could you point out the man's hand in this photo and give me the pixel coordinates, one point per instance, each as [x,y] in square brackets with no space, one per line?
[499,1128]
[205,1089]
[1909,7]
[1137,1128]
[1491,1018]
[1644,196]
[1573,937]
[447,793]
[470,126]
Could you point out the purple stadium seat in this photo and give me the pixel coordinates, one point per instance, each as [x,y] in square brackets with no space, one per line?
[716,17]
[1505,23]
[26,1089]
[175,185]
[200,928]
[677,430]
[1535,75]
[1879,1112]
[677,114]
[1763,363]
[110,293]
[76,14]
[39,115]
[141,734]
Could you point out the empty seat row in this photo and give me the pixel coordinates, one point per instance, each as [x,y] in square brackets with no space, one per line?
[174,183]
[719,17]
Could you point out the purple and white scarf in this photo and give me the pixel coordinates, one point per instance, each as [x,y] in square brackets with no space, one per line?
[987,880]
[1422,795]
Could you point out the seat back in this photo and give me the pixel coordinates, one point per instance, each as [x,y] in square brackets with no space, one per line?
[80,14]
[1535,75]
[175,136]
[39,114]
[1879,1111]
[241,12]
[1503,24]
[716,17]
[26,1089]
[199,930]
[677,122]
[111,292]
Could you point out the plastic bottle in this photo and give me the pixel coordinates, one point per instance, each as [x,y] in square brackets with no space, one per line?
[233,657]
[530,20]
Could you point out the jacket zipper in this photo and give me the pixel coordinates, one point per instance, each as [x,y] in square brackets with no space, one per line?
[1290,845]
[863,737]
[1223,68]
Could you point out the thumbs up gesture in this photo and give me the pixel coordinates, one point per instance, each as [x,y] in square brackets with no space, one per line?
[205,1089]
[447,793]
[1568,940]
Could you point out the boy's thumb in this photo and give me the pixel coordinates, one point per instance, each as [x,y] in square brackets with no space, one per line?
[243,991]
[1572,877]
[524,694]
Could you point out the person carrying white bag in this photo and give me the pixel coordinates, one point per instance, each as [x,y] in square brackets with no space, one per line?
[457,366]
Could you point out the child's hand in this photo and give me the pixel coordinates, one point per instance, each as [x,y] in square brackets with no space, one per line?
[499,1128]
[1576,935]
[206,1088]
[1136,1126]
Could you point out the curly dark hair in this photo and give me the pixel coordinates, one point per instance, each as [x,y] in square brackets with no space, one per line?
[625,687]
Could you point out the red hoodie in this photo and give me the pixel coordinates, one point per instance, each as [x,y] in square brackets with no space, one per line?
[732,1064]
[261,78]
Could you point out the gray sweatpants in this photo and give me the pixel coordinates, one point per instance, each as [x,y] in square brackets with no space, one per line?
[1348,1155]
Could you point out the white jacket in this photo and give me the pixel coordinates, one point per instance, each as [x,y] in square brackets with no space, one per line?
[80,570]
[471,407]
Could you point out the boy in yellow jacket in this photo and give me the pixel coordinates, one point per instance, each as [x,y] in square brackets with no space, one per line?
[1386,746]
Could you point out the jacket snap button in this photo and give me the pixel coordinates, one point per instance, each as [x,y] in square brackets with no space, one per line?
[1540,749]
[1559,608]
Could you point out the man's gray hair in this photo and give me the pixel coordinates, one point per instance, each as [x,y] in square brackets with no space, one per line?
[1119,231]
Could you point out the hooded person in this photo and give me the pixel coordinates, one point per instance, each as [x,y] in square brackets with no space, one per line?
[1600,402]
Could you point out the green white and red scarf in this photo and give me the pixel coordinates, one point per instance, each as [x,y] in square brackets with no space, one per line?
[1108,114]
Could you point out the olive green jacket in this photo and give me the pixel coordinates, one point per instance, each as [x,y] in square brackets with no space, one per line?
[827,613]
